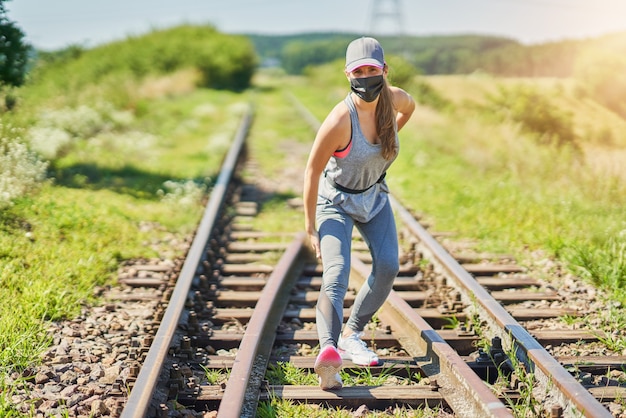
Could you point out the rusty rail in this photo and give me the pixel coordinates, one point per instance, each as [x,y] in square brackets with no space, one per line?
[242,389]
[566,390]
[465,392]
[142,392]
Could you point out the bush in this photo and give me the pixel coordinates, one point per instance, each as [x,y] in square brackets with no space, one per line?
[296,56]
[21,170]
[226,61]
[535,114]
[401,72]
[426,94]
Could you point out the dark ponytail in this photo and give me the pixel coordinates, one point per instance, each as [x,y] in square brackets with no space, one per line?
[386,123]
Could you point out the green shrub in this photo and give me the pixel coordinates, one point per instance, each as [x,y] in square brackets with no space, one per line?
[14,51]
[401,72]
[536,115]
[226,61]
[57,131]
[426,94]
[296,56]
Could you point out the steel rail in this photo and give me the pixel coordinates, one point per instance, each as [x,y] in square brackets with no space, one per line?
[241,395]
[570,394]
[466,393]
[140,396]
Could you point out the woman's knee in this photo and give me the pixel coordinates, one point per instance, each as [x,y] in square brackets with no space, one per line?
[335,282]
[387,268]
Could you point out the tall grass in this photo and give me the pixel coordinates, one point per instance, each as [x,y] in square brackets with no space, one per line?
[604,263]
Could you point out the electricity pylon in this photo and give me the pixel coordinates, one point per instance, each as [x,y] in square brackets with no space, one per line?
[386,18]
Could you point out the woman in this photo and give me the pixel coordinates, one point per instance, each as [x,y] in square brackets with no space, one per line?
[344,187]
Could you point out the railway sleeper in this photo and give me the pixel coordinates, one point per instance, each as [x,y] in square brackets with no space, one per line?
[374,397]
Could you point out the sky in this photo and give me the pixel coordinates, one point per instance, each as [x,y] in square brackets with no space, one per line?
[55,24]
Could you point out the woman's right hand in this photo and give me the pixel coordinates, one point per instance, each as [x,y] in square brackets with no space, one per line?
[314,239]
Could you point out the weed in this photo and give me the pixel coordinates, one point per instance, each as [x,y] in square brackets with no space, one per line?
[215,376]
[453,322]
[603,264]
[287,408]
[364,376]
[526,404]
[286,373]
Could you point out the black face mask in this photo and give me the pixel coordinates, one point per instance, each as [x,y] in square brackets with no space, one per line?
[367,88]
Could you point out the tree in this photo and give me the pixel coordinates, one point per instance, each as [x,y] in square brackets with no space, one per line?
[13,51]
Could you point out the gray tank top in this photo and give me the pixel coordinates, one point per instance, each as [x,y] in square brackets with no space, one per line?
[358,167]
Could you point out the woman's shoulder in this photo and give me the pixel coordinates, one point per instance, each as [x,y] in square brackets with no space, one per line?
[398,93]
[339,116]
[401,99]
[334,132]
[341,109]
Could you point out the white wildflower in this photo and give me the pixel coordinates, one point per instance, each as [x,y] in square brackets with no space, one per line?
[20,171]
[82,122]
[186,193]
[49,142]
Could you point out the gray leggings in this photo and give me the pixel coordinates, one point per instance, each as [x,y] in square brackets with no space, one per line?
[335,231]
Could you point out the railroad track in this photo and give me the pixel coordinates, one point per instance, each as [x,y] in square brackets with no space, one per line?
[232,328]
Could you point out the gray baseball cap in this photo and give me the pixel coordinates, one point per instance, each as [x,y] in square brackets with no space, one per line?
[364,51]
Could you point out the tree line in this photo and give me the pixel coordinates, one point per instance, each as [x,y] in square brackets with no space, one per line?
[599,64]
[430,55]
[226,61]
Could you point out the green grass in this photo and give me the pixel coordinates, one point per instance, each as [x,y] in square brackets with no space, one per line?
[215,376]
[278,130]
[286,373]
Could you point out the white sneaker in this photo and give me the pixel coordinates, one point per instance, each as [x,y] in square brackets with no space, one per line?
[354,348]
[327,367]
